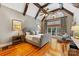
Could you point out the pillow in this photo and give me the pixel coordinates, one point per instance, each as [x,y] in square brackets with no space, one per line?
[32,32]
[27,33]
[37,32]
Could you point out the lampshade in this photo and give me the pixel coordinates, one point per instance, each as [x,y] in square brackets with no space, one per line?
[17,25]
[75,28]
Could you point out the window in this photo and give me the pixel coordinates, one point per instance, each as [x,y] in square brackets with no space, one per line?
[54,30]
[49,30]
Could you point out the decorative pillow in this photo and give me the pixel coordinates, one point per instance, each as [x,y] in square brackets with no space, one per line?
[27,33]
[32,32]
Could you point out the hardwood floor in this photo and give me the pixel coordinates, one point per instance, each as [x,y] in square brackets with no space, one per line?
[25,49]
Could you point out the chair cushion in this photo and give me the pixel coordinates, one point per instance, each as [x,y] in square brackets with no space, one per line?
[28,37]
[27,33]
[37,40]
[34,38]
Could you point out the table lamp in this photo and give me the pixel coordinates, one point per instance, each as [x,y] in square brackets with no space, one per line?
[75,30]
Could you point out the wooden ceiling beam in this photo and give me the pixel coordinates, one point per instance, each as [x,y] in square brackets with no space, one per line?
[45,5]
[40,9]
[37,13]
[44,11]
[38,5]
[67,11]
[55,10]
[62,9]
[43,18]
[25,9]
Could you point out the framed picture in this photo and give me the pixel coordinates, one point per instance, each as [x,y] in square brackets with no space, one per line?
[16,25]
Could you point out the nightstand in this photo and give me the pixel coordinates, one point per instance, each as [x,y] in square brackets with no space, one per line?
[18,39]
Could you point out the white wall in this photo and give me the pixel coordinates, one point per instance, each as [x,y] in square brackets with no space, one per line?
[70,7]
[74,10]
[76,17]
[53,6]
[6,16]
[15,6]
[32,10]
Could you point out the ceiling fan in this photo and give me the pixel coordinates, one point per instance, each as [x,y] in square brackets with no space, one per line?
[44,14]
[48,11]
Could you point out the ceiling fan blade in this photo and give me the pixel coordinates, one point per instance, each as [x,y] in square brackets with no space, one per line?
[46,8]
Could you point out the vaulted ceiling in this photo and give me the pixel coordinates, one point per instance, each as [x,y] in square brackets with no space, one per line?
[35,9]
[48,7]
[42,7]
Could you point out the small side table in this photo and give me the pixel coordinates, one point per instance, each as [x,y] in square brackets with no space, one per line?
[64,47]
[18,39]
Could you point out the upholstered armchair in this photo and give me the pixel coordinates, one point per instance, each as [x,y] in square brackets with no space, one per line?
[38,40]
